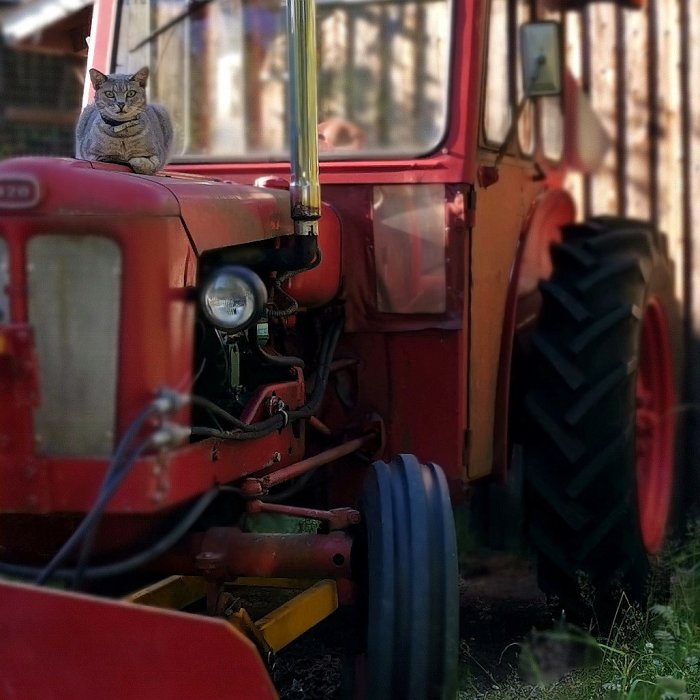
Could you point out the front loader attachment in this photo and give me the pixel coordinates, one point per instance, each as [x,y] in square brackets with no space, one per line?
[55,644]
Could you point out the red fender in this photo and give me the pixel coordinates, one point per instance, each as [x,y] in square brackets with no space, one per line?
[532,263]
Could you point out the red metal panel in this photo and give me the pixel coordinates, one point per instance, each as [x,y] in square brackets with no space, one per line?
[428,400]
[56,645]
[219,214]
[155,482]
[156,334]
[156,341]
[355,208]
[157,322]
[80,188]
[19,394]
[320,285]
[549,212]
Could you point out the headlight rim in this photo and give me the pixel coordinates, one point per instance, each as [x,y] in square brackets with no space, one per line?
[254,283]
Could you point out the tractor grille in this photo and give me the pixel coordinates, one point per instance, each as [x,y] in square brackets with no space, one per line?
[74,285]
[4,283]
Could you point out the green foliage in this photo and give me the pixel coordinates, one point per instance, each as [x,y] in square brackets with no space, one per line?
[653,655]
[284,524]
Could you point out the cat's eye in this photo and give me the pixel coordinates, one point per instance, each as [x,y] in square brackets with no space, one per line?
[130,93]
[109,93]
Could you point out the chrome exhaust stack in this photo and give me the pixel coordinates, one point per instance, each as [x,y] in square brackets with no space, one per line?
[305,186]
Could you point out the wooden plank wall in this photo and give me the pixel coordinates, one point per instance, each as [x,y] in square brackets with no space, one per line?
[641,71]
[39,102]
[690,87]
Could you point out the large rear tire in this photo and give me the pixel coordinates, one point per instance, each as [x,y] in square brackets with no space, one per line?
[407,552]
[599,459]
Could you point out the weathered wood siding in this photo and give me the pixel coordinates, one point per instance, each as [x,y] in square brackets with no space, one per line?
[641,70]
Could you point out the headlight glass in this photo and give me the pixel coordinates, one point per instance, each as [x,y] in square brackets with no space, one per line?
[233,297]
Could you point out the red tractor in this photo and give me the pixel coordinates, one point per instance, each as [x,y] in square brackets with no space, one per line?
[224,377]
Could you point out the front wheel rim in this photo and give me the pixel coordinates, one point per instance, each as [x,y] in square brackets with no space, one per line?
[655,427]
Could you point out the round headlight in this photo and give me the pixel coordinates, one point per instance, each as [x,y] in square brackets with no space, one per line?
[233,297]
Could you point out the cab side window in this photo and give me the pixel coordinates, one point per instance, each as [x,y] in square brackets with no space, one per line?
[503,102]
[551,114]
[497,103]
[523,127]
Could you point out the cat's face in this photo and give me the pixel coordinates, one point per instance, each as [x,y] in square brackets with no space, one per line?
[119,97]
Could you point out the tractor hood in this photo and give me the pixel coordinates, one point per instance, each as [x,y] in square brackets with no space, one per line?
[215,213]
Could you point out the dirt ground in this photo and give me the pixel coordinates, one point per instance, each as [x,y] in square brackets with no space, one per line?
[500,606]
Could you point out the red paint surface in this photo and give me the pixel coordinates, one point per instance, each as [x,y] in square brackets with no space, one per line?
[655,427]
[321,284]
[156,329]
[56,645]
[155,483]
[408,365]
[532,264]
[237,553]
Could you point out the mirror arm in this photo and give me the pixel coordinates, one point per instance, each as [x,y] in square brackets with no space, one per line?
[487,175]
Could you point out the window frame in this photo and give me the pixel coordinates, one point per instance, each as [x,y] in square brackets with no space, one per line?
[516,148]
[368,155]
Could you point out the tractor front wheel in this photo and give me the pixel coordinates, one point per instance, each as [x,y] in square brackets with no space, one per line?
[407,554]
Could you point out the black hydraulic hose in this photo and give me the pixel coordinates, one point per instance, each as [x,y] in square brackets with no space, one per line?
[129,436]
[238,436]
[273,360]
[292,304]
[132,563]
[115,477]
[221,412]
[116,473]
[119,454]
[324,370]
[159,548]
[280,420]
[90,520]
[299,255]
[291,308]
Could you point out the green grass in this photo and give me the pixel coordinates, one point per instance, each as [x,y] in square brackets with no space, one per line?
[652,655]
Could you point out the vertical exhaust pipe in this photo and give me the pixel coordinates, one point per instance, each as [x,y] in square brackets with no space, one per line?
[305,186]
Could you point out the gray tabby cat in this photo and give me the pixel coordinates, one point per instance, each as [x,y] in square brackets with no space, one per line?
[120,127]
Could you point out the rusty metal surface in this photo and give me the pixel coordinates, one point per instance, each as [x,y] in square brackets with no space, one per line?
[226,552]
[337,518]
[285,474]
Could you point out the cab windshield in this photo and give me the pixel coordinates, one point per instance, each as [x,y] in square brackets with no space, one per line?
[220,67]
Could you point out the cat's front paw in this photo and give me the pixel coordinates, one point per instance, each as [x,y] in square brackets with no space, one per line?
[144,166]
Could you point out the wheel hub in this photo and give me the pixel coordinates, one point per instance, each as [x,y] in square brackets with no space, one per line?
[655,427]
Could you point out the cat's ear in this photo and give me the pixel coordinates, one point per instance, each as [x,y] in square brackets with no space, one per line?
[97,78]
[141,77]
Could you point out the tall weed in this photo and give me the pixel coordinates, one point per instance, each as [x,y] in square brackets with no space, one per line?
[651,655]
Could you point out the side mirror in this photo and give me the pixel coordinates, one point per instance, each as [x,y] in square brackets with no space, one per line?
[541,59]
